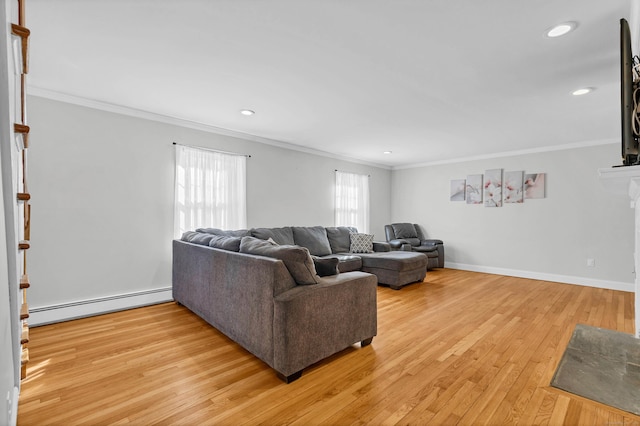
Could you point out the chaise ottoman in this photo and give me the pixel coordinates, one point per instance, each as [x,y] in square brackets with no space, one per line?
[395,268]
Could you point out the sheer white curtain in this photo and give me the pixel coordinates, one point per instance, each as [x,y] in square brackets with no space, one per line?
[352,200]
[210,190]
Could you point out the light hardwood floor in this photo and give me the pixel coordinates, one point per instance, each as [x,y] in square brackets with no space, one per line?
[460,348]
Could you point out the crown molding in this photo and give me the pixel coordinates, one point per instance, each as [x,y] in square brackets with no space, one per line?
[539,150]
[181,122]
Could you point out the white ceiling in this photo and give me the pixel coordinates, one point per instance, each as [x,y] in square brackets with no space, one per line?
[430,80]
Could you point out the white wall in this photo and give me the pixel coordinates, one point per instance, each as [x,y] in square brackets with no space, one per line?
[547,238]
[102,210]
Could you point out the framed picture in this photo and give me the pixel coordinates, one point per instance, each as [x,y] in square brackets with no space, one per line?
[457,190]
[473,189]
[534,185]
[493,188]
[513,187]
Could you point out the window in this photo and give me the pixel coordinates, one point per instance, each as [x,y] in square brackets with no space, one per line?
[352,200]
[210,190]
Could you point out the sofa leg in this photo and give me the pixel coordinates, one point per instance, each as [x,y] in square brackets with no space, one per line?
[290,378]
[366,342]
[395,287]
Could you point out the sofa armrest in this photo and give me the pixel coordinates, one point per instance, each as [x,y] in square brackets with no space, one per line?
[397,244]
[430,242]
[315,321]
[381,246]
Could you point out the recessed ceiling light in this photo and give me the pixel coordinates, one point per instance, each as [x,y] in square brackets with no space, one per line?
[582,91]
[247,112]
[387,152]
[561,29]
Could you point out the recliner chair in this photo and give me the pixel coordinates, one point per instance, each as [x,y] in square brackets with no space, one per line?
[409,237]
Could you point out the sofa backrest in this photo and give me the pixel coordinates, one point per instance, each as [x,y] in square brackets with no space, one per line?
[340,238]
[282,236]
[319,240]
[404,231]
[215,231]
[314,238]
[212,240]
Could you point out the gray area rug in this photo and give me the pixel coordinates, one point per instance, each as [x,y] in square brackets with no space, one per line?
[602,365]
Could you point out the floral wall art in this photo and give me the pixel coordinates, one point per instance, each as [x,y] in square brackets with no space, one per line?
[534,186]
[496,187]
[457,190]
[493,188]
[513,192]
[473,189]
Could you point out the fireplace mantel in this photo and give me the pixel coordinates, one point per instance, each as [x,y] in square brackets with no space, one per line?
[617,180]
[626,181]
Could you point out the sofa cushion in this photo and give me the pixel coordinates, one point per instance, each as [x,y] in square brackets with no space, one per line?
[326,266]
[233,233]
[282,236]
[347,262]
[197,238]
[225,243]
[404,230]
[297,259]
[361,243]
[413,241]
[312,237]
[339,238]
[186,235]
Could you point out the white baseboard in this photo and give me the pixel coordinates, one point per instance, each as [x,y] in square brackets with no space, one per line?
[86,308]
[565,279]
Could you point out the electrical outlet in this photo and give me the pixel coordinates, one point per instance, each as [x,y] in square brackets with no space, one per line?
[591,262]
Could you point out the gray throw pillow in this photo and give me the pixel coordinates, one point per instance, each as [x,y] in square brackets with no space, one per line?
[326,266]
[225,243]
[361,243]
[233,233]
[404,230]
[312,237]
[282,236]
[339,238]
[187,235]
[198,238]
[297,259]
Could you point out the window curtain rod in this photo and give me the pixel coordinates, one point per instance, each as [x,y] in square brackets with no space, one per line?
[336,170]
[213,150]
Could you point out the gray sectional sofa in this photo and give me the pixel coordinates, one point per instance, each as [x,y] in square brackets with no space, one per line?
[291,296]
[395,269]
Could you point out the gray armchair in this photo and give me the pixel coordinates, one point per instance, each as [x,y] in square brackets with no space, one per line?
[409,237]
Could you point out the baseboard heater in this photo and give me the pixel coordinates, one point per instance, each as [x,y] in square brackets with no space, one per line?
[102,305]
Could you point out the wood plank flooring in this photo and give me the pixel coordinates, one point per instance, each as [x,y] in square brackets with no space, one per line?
[461,348]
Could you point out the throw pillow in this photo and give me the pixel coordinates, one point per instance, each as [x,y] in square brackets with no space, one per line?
[297,259]
[198,238]
[361,243]
[339,238]
[227,233]
[312,237]
[225,243]
[326,266]
[282,236]
[187,235]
